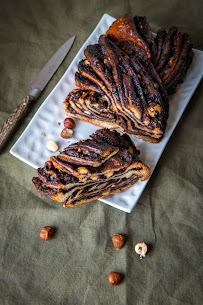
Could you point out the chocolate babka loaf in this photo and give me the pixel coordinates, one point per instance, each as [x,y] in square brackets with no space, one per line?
[91,169]
[126,77]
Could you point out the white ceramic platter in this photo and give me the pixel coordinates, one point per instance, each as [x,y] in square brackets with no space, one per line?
[31,146]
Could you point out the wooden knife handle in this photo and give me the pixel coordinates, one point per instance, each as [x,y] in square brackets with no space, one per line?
[11,123]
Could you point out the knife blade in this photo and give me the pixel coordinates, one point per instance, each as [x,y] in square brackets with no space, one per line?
[37,85]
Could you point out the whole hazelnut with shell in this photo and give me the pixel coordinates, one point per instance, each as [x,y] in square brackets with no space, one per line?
[118,240]
[115,278]
[46,233]
[69,123]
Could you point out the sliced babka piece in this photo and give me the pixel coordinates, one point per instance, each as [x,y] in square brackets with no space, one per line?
[73,184]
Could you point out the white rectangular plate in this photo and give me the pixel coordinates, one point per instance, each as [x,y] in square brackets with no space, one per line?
[31,146]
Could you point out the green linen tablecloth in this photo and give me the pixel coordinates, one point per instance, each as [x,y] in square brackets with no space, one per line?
[73,267]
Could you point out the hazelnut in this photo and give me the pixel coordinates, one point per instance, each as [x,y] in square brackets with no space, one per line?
[69,123]
[118,240]
[51,145]
[66,133]
[46,233]
[141,249]
[115,278]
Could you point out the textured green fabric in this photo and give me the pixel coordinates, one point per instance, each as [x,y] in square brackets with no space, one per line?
[73,267]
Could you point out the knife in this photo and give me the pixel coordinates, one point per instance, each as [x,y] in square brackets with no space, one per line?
[38,84]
